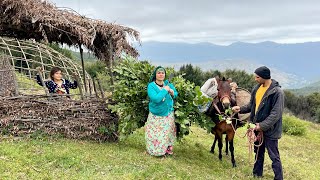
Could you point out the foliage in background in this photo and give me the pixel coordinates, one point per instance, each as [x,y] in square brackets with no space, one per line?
[242,78]
[198,77]
[87,56]
[95,68]
[304,107]
[192,74]
[66,52]
[130,93]
[293,125]
[314,102]
[98,71]
[307,90]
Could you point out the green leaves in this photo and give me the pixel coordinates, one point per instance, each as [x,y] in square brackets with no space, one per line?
[251,126]
[130,95]
[200,99]
[228,111]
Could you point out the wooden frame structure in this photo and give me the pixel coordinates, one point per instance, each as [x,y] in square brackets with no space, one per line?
[25,56]
[25,22]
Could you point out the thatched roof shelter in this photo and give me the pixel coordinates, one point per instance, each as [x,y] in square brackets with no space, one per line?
[40,20]
[43,22]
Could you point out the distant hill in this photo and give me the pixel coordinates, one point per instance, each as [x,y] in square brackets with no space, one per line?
[86,56]
[314,87]
[301,59]
[286,80]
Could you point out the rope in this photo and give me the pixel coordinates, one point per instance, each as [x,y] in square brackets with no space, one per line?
[252,138]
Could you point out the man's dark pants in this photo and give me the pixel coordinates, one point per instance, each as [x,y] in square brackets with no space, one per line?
[273,151]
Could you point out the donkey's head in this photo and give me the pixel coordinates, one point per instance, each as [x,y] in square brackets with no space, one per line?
[224,92]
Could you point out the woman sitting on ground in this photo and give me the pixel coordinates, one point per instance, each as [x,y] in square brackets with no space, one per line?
[57,85]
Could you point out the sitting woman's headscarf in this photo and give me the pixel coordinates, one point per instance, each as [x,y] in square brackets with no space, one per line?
[153,76]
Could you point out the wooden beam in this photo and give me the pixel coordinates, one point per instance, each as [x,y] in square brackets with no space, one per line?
[83,70]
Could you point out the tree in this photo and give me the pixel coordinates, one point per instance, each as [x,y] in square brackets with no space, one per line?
[314,104]
[95,68]
[192,74]
[210,74]
[241,77]
[318,115]
[64,51]
[305,107]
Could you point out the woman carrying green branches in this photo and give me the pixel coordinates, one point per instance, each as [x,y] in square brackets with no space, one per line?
[160,127]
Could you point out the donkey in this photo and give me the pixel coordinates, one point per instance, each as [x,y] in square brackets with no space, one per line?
[222,102]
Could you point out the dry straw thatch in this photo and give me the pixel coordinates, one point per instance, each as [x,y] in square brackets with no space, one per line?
[40,20]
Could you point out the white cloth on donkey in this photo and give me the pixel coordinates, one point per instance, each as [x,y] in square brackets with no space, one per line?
[208,89]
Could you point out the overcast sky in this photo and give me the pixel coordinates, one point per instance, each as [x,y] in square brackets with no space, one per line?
[219,22]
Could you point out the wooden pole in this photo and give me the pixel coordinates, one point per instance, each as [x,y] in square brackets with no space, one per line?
[49,95]
[95,88]
[83,70]
[43,84]
[101,90]
[90,89]
[80,87]
[110,63]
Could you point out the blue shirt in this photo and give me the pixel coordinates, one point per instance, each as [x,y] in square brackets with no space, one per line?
[161,102]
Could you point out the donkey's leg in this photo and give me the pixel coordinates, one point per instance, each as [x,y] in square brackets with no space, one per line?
[232,154]
[220,146]
[214,144]
[227,150]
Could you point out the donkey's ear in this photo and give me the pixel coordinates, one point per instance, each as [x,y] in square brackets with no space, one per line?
[223,79]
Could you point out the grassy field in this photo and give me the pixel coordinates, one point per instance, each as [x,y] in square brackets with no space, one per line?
[58,158]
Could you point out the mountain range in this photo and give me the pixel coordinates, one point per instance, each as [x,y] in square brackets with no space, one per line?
[293,65]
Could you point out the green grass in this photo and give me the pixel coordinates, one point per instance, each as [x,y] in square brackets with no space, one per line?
[28,86]
[73,159]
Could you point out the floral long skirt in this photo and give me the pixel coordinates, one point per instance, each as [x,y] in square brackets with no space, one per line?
[160,133]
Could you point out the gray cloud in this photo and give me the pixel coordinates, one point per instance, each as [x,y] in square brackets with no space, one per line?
[220,22]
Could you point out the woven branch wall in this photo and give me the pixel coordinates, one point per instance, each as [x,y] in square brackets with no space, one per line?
[7,77]
[33,111]
[86,119]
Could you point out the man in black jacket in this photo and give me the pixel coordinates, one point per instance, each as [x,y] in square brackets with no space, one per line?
[266,107]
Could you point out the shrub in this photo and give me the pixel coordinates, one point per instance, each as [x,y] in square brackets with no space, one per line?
[293,125]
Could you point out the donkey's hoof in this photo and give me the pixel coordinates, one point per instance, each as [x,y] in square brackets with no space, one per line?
[220,157]
[234,165]
[212,151]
